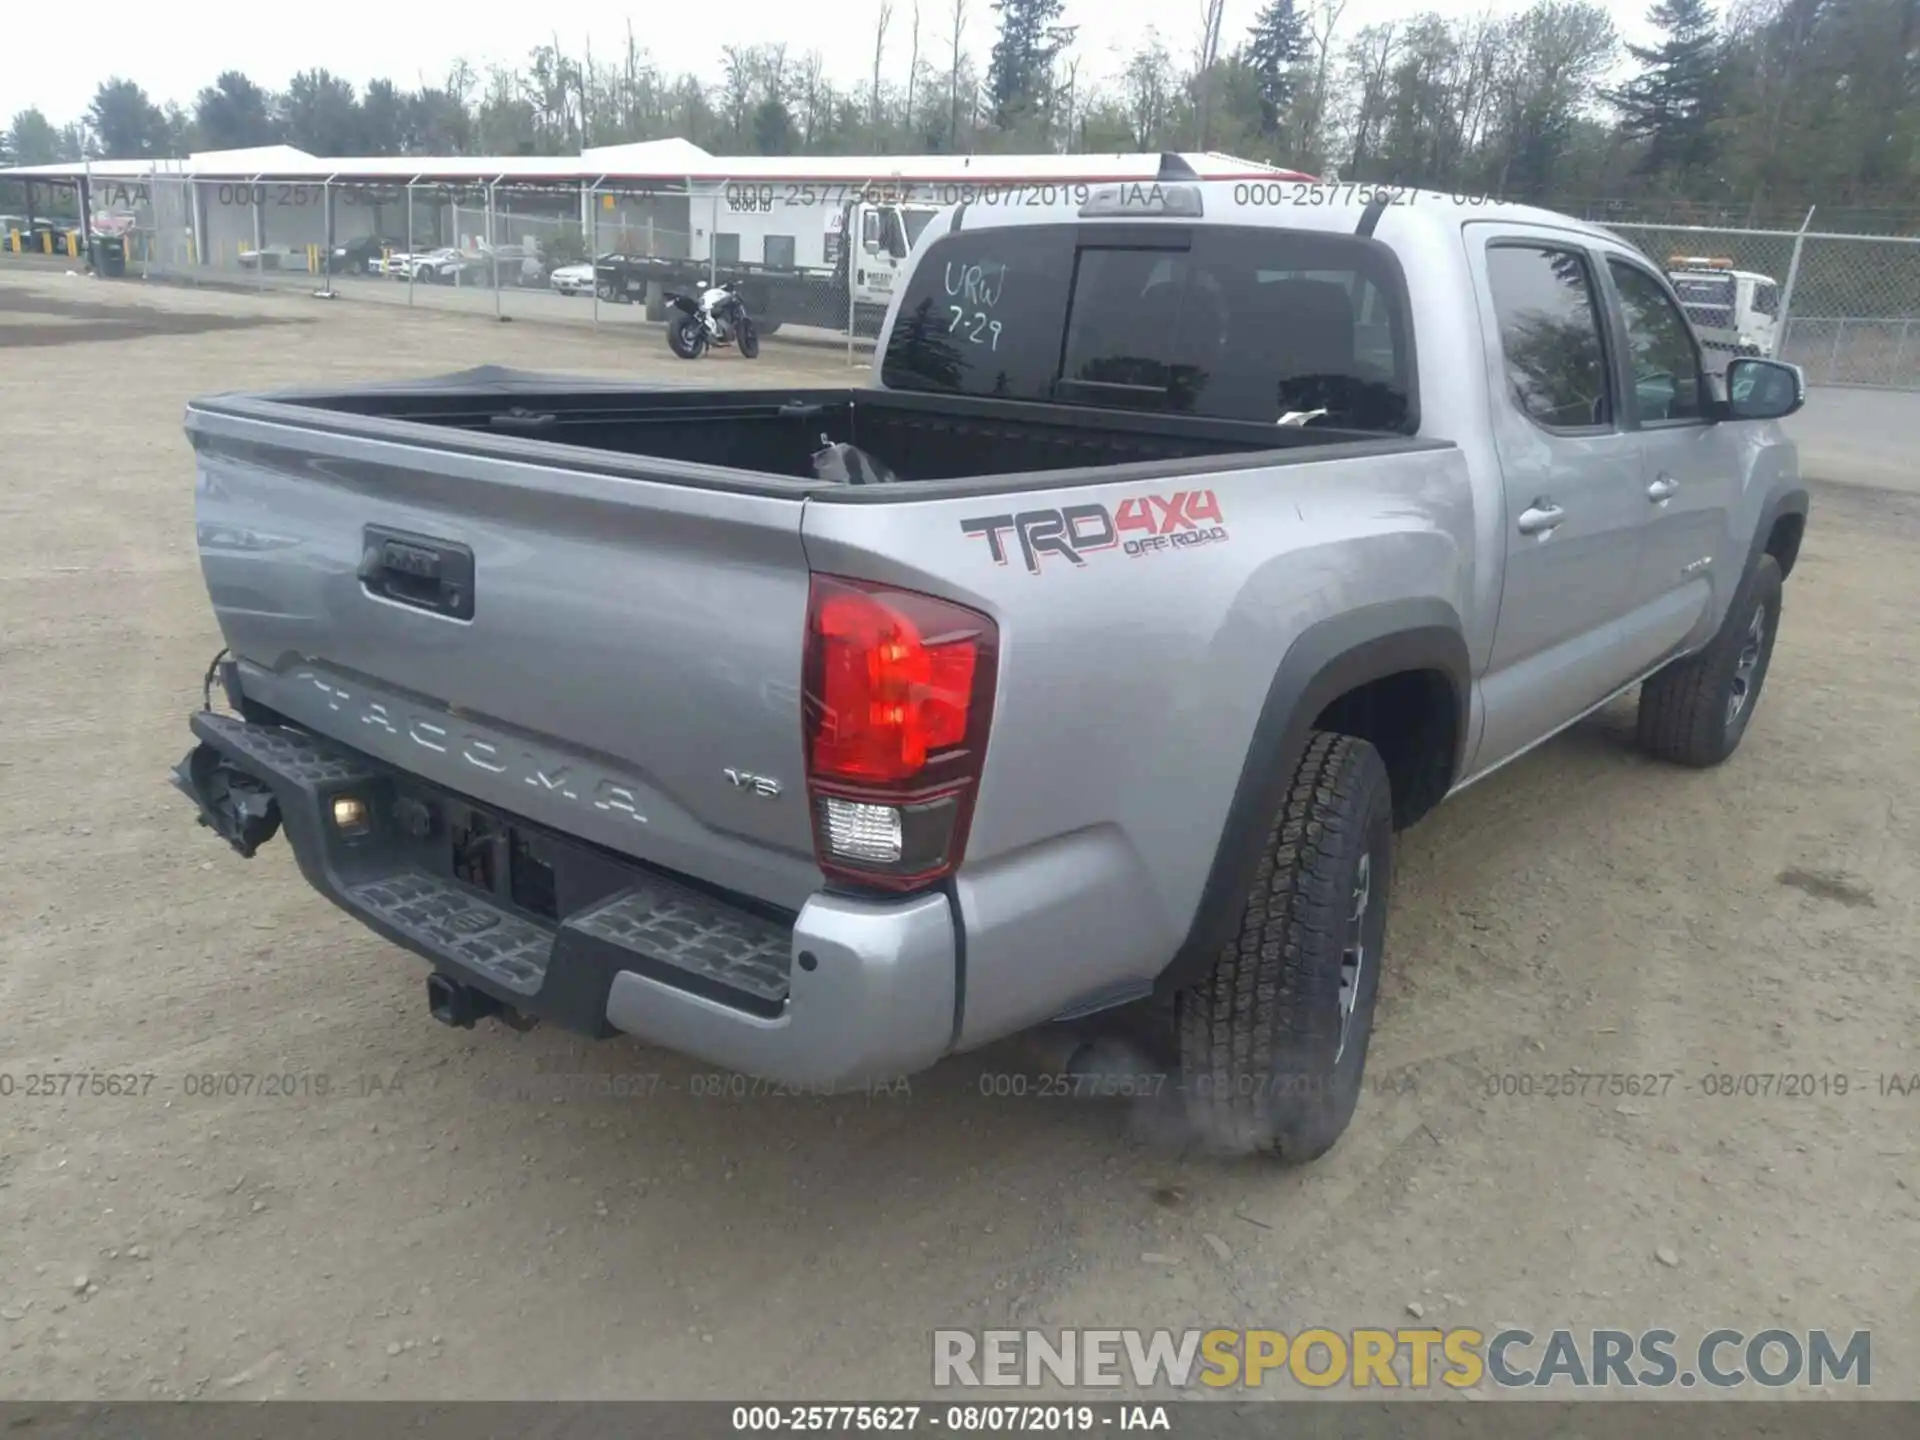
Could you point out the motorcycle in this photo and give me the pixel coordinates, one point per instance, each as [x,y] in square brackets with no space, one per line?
[717,318]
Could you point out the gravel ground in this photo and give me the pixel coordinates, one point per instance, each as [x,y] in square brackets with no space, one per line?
[460,1214]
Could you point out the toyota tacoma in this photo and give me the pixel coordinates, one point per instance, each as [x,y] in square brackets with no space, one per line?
[1189,543]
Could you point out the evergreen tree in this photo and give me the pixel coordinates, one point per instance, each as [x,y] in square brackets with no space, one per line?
[1020,74]
[1670,104]
[234,113]
[320,114]
[34,141]
[127,125]
[1275,42]
[383,119]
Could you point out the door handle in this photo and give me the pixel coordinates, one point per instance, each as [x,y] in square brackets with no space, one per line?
[1665,488]
[1541,518]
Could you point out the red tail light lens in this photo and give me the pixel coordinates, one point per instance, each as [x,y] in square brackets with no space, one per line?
[899,692]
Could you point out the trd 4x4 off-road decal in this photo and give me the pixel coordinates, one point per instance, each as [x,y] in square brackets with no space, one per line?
[1143,525]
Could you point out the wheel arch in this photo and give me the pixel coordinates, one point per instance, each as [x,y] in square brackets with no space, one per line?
[1335,658]
[1783,525]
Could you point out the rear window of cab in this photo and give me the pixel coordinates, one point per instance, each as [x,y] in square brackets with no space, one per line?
[1230,322]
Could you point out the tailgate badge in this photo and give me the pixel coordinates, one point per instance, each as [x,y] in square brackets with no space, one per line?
[764,786]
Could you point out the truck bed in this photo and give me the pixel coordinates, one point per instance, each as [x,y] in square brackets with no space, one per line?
[765,439]
[580,602]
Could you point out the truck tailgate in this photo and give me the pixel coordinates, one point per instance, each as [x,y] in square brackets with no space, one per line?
[593,652]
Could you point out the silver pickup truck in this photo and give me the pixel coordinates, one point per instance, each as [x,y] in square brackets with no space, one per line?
[1192,540]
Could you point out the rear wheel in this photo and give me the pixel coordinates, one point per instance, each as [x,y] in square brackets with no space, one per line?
[749,339]
[1696,710]
[1273,1042]
[686,337]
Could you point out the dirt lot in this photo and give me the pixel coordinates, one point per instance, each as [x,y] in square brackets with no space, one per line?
[459,1217]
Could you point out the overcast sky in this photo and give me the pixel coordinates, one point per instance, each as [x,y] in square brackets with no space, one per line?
[55,54]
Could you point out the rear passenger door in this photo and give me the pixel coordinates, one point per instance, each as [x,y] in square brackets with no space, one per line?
[1691,463]
[1571,472]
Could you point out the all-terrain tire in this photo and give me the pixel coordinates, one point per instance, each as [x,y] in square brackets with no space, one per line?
[1695,710]
[1273,1042]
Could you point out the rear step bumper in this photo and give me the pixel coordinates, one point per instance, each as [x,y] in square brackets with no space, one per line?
[849,992]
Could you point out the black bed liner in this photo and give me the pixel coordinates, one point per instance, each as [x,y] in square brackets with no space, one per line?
[760,440]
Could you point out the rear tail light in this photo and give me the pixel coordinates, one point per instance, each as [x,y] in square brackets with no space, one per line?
[899,694]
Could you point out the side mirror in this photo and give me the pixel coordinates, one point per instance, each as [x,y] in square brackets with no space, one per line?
[1759,389]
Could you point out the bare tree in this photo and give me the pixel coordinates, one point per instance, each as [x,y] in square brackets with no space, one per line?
[773,71]
[1065,102]
[1148,87]
[1323,23]
[1482,43]
[913,61]
[585,76]
[1370,55]
[629,86]
[1209,54]
[739,70]
[879,47]
[811,91]
[953,75]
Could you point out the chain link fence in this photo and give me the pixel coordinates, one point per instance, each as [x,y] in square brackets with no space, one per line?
[607,252]
[1848,308]
[813,260]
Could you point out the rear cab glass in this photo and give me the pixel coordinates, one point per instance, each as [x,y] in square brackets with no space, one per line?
[1229,322]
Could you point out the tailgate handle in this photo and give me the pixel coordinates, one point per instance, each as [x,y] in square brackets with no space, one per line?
[417,570]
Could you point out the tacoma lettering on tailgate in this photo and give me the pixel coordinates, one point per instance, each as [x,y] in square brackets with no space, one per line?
[1143,525]
[547,772]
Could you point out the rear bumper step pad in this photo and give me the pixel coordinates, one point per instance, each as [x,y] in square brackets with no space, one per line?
[622,915]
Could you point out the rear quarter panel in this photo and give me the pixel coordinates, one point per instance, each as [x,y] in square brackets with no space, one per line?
[1130,685]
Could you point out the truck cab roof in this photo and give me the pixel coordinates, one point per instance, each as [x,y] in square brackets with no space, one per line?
[1294,203]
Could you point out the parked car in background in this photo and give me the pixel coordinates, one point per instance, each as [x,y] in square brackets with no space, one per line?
[361,255]
[38,236]
[572,279]
[276,257]
[441,266]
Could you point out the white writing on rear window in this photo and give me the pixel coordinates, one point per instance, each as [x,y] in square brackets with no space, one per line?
[972,292]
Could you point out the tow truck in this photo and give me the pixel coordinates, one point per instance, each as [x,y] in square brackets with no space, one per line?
[1733,311]
[806,282]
